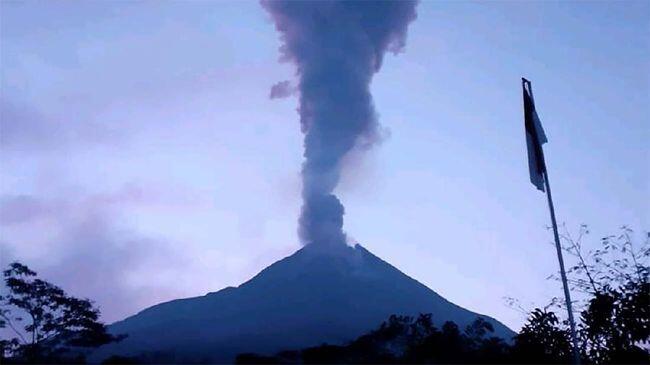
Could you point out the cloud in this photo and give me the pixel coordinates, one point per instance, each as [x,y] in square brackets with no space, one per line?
[25,128]
[93,253]
[16,209]
[112,265]
[281,90]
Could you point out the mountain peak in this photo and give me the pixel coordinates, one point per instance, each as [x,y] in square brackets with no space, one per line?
[318,294]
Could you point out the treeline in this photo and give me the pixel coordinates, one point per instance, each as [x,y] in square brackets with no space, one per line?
[50,326]
[614,330]
[409,340]
[402,339]
[613,326]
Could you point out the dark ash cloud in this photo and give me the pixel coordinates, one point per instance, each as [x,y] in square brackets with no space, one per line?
[280,90]
[337,47]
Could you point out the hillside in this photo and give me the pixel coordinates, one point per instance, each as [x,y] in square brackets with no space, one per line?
[317,295]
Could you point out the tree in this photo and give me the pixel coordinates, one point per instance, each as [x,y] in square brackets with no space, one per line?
[46,322]
[542,340]
[402,340]
[615,318]
[614,321]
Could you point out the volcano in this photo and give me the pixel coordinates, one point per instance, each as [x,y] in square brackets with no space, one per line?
[320,294]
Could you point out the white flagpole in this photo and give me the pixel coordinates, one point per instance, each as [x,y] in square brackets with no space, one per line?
[565,284]
[558,247]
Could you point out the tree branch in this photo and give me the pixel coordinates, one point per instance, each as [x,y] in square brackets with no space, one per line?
[11,325]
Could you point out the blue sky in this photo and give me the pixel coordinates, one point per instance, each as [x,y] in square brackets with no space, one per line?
[143,160]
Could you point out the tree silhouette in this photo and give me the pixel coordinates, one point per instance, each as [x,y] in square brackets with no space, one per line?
[615,312]
[402,339]
[615,318]
[46,322]
[543,340]
[614,322]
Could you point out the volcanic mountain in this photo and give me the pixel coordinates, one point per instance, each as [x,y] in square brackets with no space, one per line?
[317,295]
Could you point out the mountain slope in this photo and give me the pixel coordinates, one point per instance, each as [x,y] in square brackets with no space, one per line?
[316,295]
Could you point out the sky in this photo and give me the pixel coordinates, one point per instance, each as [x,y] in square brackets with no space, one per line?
[142,158]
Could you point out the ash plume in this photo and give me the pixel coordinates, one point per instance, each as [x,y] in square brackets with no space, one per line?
[337,47]
[281,90]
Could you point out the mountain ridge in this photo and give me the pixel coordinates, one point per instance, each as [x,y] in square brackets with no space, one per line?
[318,294]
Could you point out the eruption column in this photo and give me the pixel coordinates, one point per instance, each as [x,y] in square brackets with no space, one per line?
[337,47]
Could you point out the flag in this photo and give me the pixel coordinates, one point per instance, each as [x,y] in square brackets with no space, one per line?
[535,138]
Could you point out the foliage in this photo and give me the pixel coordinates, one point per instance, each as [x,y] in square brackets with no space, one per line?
[543,340]
[614,322]
[614,303]
[402,339]
[122,360]
[616,262]
[46,322]
[615,316]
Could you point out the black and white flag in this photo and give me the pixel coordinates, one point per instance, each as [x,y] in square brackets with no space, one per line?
[535,138]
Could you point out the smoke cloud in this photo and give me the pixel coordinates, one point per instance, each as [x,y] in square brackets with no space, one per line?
[281,90]
[337,47]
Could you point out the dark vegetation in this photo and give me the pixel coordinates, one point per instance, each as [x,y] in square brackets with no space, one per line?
[613,328]
[402,339]
[50,326]
[46,324]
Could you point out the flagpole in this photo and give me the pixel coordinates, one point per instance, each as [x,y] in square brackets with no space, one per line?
[558,247]
[565,284]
